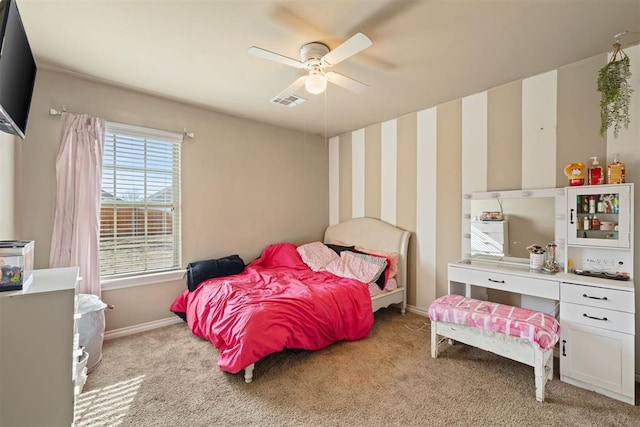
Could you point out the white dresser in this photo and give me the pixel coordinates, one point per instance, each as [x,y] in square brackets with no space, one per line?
[38,350]
[597,338]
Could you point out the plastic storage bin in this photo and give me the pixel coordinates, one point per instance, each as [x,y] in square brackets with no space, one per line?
[16,264]
[81,372]
[91,328]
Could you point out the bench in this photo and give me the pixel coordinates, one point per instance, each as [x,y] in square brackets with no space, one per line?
[519,334]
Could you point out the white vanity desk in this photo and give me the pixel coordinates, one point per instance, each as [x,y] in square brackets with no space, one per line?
[471,278]
[597,315]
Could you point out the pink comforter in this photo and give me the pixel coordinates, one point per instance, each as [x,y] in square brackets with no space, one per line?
[276,303]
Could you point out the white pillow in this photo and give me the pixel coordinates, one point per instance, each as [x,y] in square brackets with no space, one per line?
[317,255]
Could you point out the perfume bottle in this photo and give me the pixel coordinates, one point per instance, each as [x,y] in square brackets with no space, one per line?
[615,171]
[596,177]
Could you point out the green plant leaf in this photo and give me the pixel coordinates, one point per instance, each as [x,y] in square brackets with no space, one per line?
[615,95]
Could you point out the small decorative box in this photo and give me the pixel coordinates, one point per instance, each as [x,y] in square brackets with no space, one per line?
[16,264]
[491,216]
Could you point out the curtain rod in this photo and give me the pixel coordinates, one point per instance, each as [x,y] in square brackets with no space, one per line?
[54,112]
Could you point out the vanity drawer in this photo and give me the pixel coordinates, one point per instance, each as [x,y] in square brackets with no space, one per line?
[542,288]
[611,299]
[598,317]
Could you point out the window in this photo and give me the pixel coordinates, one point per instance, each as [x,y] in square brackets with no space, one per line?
[140,204]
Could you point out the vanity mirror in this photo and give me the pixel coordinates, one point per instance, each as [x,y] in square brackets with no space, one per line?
[517,219]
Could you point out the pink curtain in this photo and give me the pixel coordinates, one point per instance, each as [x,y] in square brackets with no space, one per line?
[76,212]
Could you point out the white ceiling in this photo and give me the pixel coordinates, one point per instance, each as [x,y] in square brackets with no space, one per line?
[424,52]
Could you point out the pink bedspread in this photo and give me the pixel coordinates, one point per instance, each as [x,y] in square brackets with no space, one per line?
[534,326]
[276,303]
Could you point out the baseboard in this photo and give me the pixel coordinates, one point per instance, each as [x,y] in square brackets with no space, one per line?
[416,310]
[141,327]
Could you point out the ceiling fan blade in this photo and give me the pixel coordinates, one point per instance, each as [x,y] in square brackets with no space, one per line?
[355,44]
[347,82]
[266,54]
[292,88]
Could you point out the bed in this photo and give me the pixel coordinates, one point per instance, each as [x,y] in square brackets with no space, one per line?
[282,300]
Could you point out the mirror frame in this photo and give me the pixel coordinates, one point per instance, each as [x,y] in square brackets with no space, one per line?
[560,214]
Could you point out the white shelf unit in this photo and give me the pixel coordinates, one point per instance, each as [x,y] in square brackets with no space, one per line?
[604,197]
[597,315]
[38,350]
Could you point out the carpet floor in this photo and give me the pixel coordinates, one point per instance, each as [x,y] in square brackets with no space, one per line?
[169,377]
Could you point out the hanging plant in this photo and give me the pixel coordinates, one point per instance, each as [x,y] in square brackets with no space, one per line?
[615,92]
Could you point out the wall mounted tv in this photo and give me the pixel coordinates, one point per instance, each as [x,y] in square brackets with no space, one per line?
[17,71]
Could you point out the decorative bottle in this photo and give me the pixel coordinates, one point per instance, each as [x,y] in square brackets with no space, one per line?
[592,204]
[615,171]
[596,177]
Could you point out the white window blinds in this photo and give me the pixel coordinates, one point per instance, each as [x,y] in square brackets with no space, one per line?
[140,209]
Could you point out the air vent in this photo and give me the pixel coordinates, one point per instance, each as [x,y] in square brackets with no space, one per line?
[290,101]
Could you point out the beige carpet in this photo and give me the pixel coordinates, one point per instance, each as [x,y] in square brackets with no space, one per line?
[168,377]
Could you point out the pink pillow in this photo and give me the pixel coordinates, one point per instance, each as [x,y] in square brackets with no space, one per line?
[352,266]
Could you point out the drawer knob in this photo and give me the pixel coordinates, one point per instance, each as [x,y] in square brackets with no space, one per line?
[595,318]
[600,298]
[496,281]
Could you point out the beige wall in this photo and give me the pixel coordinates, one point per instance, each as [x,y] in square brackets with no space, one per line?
[245,184]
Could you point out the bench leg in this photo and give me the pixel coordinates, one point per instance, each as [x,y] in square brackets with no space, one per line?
[540,372]
[549,366]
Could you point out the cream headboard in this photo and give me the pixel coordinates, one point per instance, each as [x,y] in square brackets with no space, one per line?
[373,233]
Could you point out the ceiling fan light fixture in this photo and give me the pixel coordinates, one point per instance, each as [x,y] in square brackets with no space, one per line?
[315,83]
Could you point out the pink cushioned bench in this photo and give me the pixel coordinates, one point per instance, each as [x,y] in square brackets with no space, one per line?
[520,334]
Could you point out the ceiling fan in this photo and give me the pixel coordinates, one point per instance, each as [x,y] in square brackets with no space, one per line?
[316,57]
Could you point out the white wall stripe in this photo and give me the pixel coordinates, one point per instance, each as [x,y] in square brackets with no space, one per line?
[334,181]
[389,171]
[539,119]
[427,135]
[357,173]
[474,143]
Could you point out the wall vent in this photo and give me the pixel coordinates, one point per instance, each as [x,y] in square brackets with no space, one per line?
[290,101]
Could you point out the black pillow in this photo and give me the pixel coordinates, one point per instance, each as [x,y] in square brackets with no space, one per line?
[340,248]
[198,272]
[181,314]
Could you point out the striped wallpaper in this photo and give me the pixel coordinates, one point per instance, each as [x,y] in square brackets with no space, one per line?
[412,171]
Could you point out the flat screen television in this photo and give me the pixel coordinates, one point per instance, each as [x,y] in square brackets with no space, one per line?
[17,71]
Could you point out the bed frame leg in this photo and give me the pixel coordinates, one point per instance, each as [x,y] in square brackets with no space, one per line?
[434,339]
[248,373]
